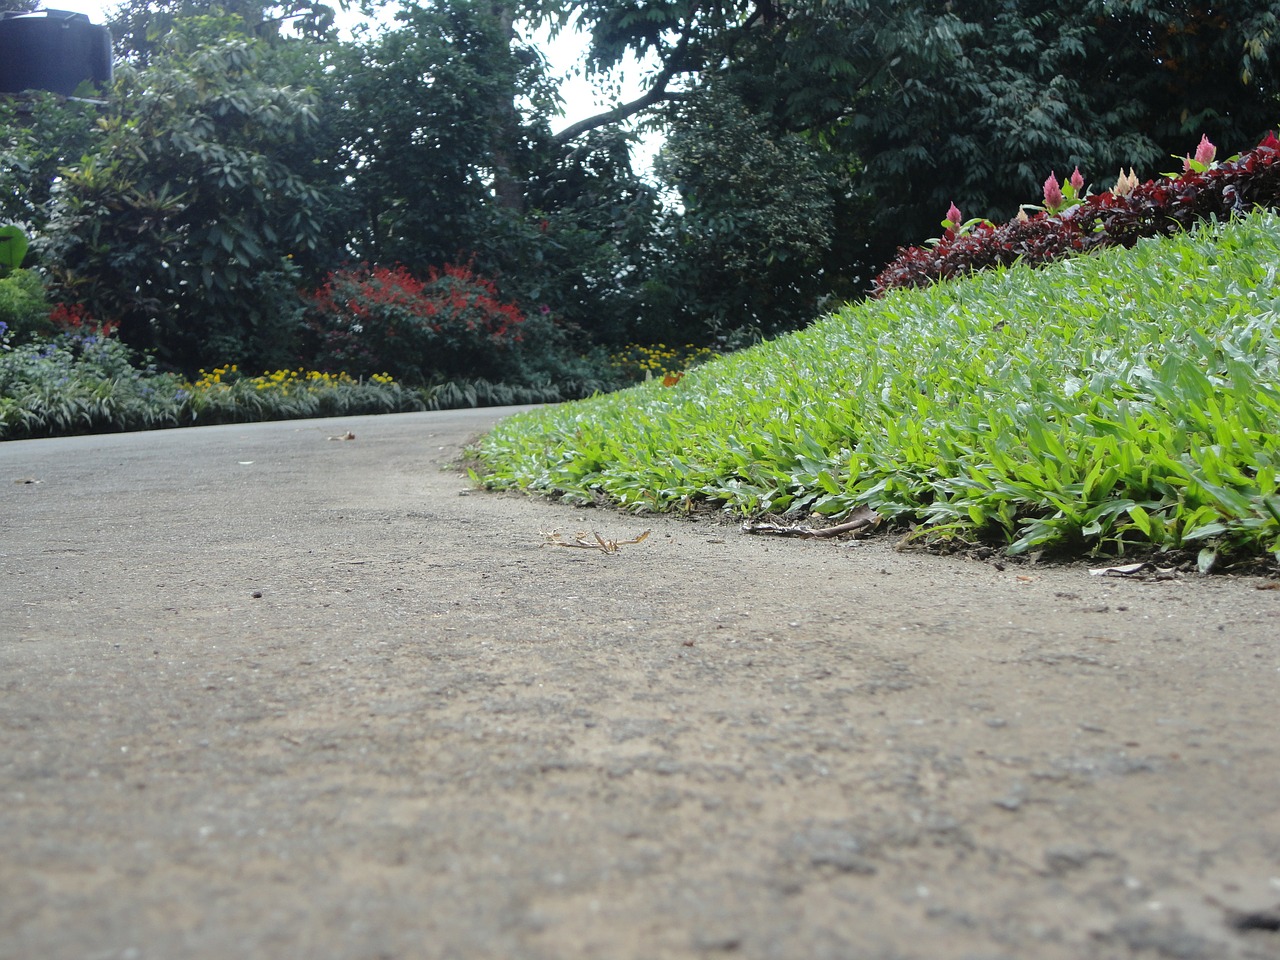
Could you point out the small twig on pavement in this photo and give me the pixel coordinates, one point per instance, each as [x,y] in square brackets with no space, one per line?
[554,539]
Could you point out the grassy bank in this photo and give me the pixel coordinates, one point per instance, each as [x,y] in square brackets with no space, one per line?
[1106,404]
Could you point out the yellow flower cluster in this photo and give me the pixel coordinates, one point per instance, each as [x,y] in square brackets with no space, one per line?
[281,380]
[640,361]
[214,378]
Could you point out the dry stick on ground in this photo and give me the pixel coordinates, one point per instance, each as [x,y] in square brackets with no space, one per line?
[554,539]
[864,519]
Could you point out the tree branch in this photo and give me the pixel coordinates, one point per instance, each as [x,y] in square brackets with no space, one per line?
[623,111]
[676,63]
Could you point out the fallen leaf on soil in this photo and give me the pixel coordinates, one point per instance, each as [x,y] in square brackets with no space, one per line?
[554,539]
[1148,570]
[1125,570]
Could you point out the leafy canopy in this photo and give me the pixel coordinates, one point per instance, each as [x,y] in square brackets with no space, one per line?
[187,221]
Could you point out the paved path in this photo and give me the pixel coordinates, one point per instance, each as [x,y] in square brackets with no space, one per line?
[269,694]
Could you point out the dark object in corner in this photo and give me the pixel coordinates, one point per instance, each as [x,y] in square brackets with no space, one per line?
[53,50]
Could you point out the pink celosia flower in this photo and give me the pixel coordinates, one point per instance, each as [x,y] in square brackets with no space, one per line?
[953,215]
[1205,154]
[1052,193]
[1077,181]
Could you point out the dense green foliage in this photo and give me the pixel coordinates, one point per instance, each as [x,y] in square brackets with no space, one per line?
[184,225]
[246,152]
[413,112]
[24,311]
[923,104]
[38,135]
[1105,404]
[140,28]
[77,384]
[743,253]
[1009,90]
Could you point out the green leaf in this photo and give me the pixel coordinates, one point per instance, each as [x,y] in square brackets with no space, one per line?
[13,247]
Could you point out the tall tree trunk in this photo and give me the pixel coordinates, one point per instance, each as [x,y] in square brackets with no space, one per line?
[508,185]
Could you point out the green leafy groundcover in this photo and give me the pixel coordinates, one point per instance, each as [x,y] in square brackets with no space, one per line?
[78,384]
[1107,404]
[88,383]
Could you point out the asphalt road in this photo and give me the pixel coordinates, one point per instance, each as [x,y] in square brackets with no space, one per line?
[268,692]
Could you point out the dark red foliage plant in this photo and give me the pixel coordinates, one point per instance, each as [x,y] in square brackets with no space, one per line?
[1120,217]
[371,319]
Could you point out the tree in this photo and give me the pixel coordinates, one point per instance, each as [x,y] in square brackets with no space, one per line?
[929,103]
[583,251]
[39,133]
[758,218]
[138,27]
[1017,92]
[806,141]
[433,146]
[192,222]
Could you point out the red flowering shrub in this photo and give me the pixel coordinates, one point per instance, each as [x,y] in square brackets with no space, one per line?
[1154,208]
[366,320]
[74,319]
[68,316]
